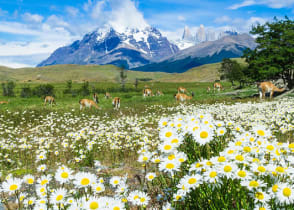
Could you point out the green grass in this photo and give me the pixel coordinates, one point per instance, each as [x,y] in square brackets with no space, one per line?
[104,73]
[131,99]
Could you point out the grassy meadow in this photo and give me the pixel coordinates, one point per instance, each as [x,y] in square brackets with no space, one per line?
[213,152]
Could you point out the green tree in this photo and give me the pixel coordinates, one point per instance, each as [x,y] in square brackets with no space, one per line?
[8,88]
[232,71]
[123,77]
[274,55]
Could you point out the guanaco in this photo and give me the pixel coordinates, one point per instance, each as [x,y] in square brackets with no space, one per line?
[147,92]
[3,102]
[116,102]
[182,90]
[159,93]
[50,100]
[107,95]
[89,103]
[208,89]
[183,97]
[217,86]
[268,87]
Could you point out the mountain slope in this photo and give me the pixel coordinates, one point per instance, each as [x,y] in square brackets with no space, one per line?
[132,48]
[204,53]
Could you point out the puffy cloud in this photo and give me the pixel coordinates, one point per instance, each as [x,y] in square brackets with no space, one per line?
[32,17]
[125,14]
[181,18]
[72,11]
[270,3]
[222,19]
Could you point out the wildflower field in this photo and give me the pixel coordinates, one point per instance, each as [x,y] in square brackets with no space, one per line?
[224,155]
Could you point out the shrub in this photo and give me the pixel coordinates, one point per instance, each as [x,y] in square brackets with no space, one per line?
[26,92]
[44,90]
[8,88]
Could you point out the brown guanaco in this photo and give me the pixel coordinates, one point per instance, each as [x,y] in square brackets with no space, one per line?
[89,103]
[50,100]
[116,102]
[147,92]
[268,87]
[217,86]
[182,90]
[183,97]
[3,102]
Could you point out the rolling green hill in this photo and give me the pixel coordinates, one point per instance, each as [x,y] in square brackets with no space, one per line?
[105,73]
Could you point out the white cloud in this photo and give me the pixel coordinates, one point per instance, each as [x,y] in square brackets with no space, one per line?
[97,10]
[32,17]
[181,18]
[222,19]
[17,28]
[72,11]
[3,12]
[277,4]
[125,14]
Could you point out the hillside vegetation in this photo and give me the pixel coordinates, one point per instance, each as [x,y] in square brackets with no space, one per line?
[105,73]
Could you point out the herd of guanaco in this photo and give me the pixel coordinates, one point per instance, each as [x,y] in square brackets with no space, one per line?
[181,95]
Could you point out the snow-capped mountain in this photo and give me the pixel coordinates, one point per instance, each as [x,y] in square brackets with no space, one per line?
[131,47]
[192,37]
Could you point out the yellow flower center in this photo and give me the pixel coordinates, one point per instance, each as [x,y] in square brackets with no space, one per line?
[242,173]
[192,181]
[204,134]
[136,197]
[181,160]
[212,174]
[85,181]
[171,157]
[167,147]
[116,182]
[168,134]
[275,188]
[142,200]
[253,184]
[238,143]
[64,175]
[239,158]
[59,197]
[291,146]
[170,165]
[287,192]
[94,205]
[260,132]
[13,187]
[261,169]
[175,141]
[221,131]
[98,188]
[43,182]
[151,177]
[259,195]
[280,169]
[30,202]
[116,208]
[178,197]
[221,159]
[195,128]
[227,169]
[145,158]
[30,181]
[247,149]
[262,208]
[270,147]
[164,123]
[209,163]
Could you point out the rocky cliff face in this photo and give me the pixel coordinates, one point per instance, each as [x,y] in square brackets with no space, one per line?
[132,48]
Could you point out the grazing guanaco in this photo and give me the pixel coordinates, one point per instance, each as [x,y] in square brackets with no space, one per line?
[183,97]
[50,100]
[3,102]
[147,92]
[268,87]
[217,86]
[182,90]
[116,102]
[107,95]
[208,89]
[159,93]
[89,103]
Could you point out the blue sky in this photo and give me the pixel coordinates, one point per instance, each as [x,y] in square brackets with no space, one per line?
[32,29]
